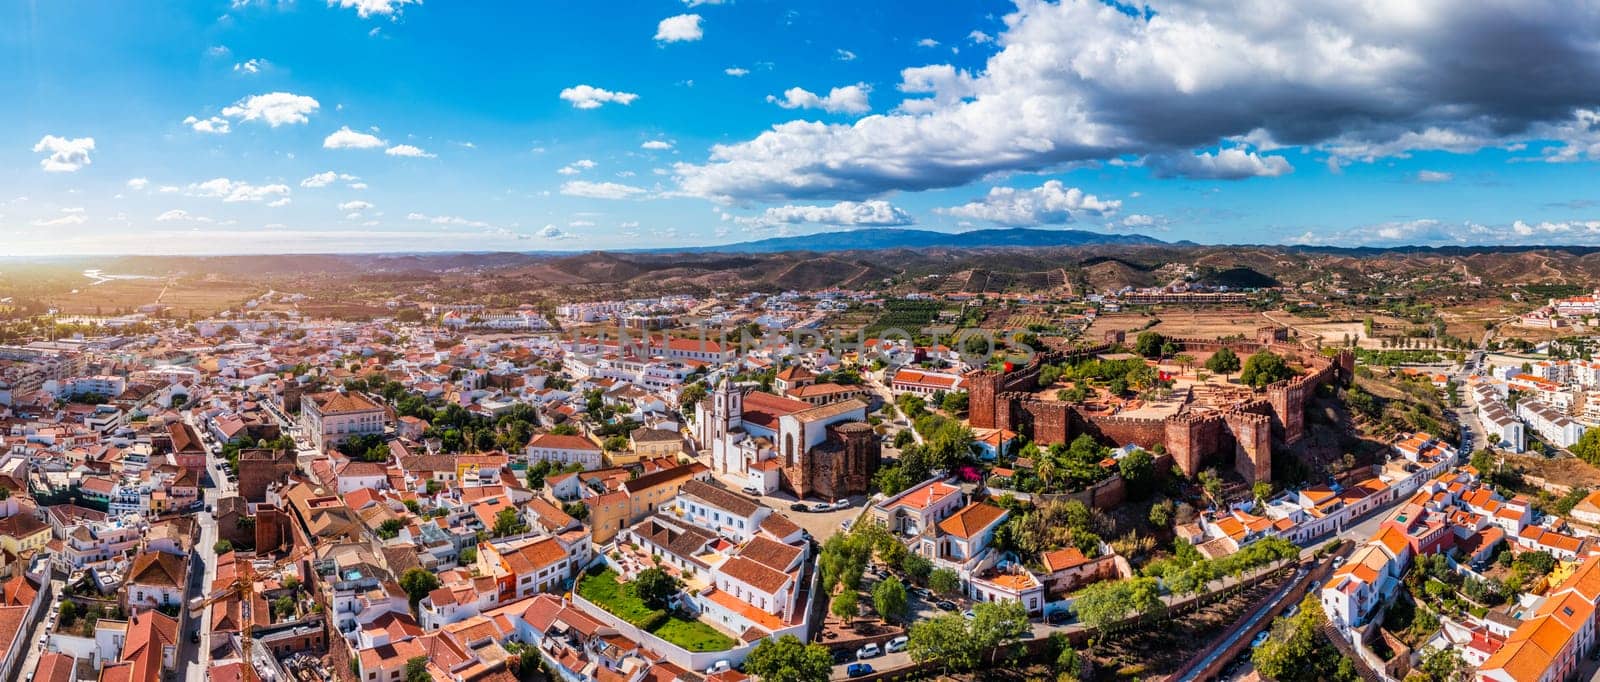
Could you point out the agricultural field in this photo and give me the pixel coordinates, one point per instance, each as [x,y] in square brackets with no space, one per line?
[1203,323]
[183,295]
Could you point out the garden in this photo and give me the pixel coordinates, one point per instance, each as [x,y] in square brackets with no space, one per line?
[623,601]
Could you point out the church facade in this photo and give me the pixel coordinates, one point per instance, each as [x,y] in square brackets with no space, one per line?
[776,443]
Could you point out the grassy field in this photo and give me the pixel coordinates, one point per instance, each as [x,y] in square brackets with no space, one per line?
[603,589]
[202,296]
[1206,323]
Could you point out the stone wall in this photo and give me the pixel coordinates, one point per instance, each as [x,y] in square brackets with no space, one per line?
[1146,433]
[1243,433]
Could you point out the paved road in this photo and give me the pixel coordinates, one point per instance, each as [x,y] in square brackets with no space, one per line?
[31,661]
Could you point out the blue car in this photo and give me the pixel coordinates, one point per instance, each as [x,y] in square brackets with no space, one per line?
[859,669]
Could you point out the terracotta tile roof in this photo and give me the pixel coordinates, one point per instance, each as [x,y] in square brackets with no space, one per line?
[771,553]
[556,441]
[763,409]
[1063,559]
[754,574]
[342,402]
[972,519]
[158,569]
[779,525]
[720,498]
[925,495]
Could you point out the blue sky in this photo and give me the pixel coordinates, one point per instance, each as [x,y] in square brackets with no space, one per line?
[215,127]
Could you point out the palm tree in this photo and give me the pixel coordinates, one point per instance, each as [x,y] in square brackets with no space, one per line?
[1184,360]
[1045,469]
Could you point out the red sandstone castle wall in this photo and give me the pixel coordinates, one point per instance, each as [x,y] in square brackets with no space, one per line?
[1002,400]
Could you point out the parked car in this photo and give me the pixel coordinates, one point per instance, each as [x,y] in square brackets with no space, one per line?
[946,605]
[921,593]
[752,491]
[859,669]
[842,655]
[799,506]
[897,644]
[1260,638]
[871,650]
[822,507]
[841,504]
[1057,617]
[721,666]
[845,524]
[968,614]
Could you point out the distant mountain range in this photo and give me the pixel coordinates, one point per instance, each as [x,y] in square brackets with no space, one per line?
[878,239]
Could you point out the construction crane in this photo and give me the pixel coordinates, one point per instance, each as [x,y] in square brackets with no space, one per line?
[244,579]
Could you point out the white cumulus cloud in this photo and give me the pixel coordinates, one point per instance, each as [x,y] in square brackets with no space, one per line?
[657,145]
[274,108]
[1226,164]
[680,28]
[590,97]
[850,99]
[871,213]
[1052,203]
[237,190]
[409,151]
[326,178]
[65,155]
[1074,82]
[215,125]
[370,8]
[345,138]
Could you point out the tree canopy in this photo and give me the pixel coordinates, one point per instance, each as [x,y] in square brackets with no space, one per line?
[787,659]
[1264,368]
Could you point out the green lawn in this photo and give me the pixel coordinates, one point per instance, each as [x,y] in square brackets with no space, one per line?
[693,635]
[603,589]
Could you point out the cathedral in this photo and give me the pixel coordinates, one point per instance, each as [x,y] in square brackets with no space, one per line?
[772,443]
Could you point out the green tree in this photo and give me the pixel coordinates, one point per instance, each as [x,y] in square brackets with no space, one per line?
[1138,470]
[1588,446]
[1264,368]
[1148,344]
[691,394]
[891,480]
[1223,362]
[222,547]
[954,403]
[846,605]
[1161,513]
[1262,490]
[889,597]
[1445,665]
[655,586]
[1297,651]
[390,528]
[944,582]
[916,567]
[418,583]
[508,522]
[944,639]
[417,670]
[1212,484]
[787,659]
[998,624]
